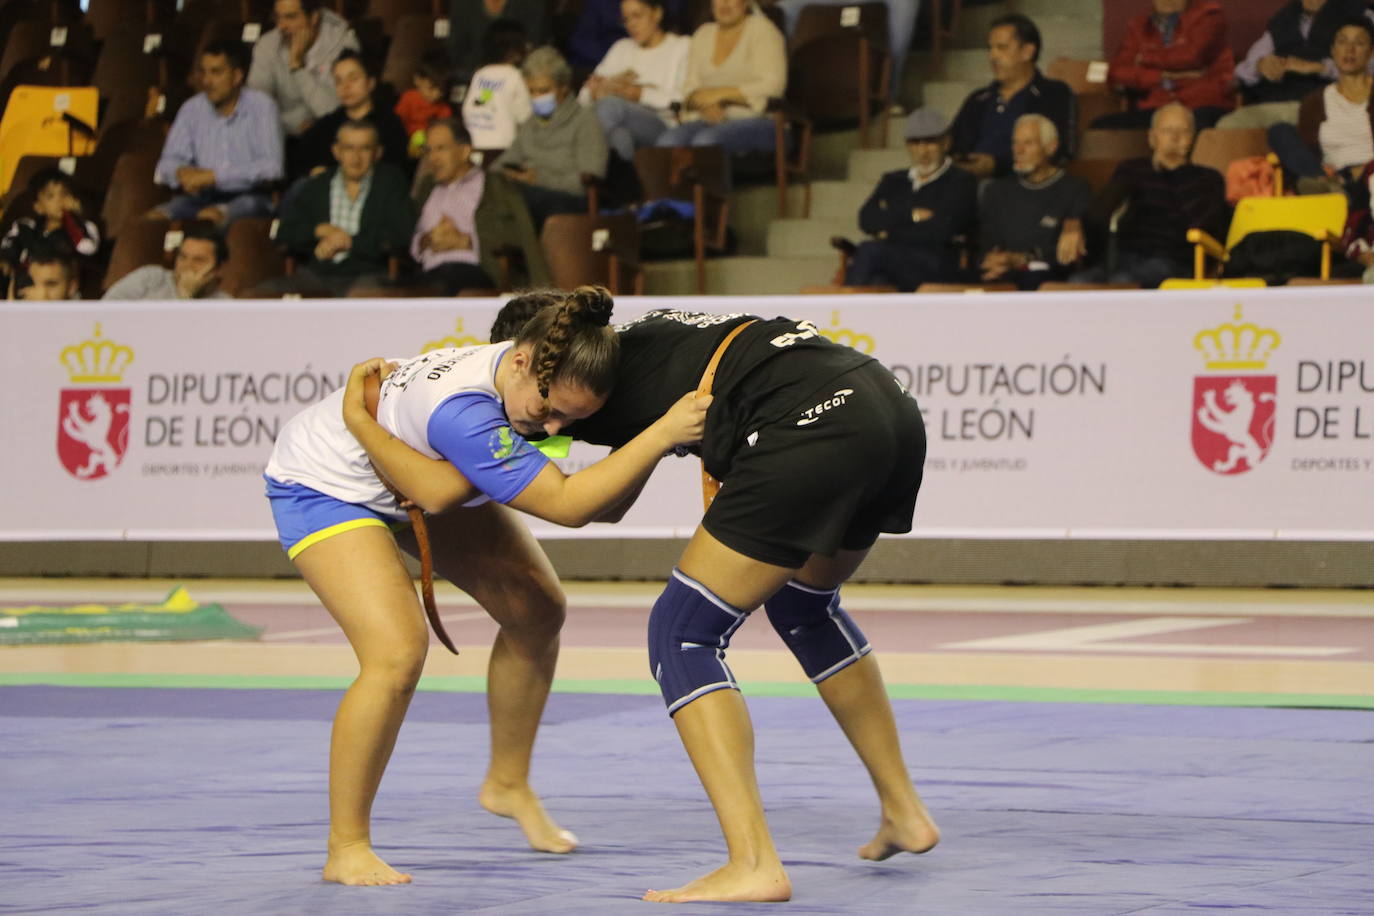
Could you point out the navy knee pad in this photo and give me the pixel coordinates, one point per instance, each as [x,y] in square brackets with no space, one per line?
[818,631]
[689,631]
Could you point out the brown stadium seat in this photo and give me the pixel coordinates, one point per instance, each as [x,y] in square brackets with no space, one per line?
[578,254]
[1113,144]
[253,256]
[696,174]
[1217,148]
[413,36]
[132,191]
[142,242]
[844,71]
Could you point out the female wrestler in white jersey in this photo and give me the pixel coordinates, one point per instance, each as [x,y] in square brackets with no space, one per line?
[819,449]
[472,408]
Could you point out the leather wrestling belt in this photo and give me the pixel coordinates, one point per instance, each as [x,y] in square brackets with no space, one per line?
[709,485]
[372,397]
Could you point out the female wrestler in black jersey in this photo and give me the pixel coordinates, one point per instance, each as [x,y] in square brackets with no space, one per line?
[818,449]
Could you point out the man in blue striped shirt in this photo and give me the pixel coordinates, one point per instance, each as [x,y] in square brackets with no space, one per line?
[225,146]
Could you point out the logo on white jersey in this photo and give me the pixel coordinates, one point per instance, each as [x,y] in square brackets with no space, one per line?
[838,399]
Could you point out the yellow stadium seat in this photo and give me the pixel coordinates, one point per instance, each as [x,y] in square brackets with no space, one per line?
[1185,283]
[1321,216]
[34,125]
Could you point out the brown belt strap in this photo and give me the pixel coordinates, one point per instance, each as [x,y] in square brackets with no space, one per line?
[709,485]
[372,397]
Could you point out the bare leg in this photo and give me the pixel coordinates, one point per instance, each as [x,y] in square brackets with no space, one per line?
[858,701]
[359,577]
[716,731]
[488,553]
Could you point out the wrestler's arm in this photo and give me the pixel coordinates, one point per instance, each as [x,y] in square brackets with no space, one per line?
[433,484]
[574,501]
[616,512]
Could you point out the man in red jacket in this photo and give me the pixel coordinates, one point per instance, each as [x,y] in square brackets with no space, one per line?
[1176,53]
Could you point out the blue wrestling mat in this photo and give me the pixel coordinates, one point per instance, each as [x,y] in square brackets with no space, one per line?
[152,801]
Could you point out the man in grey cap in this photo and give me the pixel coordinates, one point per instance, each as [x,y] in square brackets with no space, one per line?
[916,215]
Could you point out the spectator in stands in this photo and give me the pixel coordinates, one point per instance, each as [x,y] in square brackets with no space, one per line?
[1031,223]
[355,84]
[470,20]
[346,223]
[918,215]
[497,100]
[427,98]
[57,222]
[635,85]
[51,276]
[224,146]
[601,24]
[555,148]
[735,64]
[901,26]
[982,130]
[1289,61]
[467,217]
[1334,139]
[1164,196]
[1176,53]
[194,274]
[291,63]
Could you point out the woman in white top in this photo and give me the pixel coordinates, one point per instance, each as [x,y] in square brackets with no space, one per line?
[736,64]
[497,101]
[473,408]
[639,79]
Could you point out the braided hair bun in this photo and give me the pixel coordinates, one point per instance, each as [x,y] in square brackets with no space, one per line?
[573,342]
[591,305]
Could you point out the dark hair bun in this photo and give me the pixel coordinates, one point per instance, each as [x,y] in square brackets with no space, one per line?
[590,305]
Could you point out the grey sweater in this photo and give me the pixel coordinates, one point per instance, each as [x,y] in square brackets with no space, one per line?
[307,93]
[560,149]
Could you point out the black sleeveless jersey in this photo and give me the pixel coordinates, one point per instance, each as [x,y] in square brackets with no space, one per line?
[771,368]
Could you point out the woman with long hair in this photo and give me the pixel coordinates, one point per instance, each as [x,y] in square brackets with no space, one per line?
[471,409]
[818,450]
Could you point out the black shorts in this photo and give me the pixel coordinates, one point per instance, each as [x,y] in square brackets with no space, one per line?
[842,468]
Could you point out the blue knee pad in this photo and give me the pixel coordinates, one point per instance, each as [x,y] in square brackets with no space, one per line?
[817,630]
[689,631]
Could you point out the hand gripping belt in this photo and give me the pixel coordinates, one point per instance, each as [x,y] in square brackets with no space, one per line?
[372,397]
[709,485]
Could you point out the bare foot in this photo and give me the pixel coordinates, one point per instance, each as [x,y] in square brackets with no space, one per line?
[528,811]
[916,833]
[357,864]
[731,882]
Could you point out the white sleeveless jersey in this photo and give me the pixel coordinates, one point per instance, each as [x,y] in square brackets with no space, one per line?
[316,449]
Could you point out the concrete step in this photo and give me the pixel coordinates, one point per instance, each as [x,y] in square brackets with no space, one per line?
[866,166]
[947,95]
[1038,10]
[839,200]
[796,238]
[738,276]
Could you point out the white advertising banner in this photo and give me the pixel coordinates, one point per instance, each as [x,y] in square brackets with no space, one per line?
[1230,413]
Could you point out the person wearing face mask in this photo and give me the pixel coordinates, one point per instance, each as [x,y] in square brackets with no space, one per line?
[916,214]
[475,408]
[559,144]
[1031,222]
[1177,52]
[1159,197]
[635,85]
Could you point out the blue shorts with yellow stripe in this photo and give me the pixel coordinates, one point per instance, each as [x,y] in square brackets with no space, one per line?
[305,516]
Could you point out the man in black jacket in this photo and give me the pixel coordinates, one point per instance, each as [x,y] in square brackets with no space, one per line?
[982,129]
[916,214]
[347,222]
